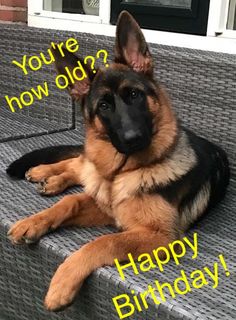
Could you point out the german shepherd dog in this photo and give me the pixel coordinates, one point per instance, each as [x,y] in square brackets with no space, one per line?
[141,171]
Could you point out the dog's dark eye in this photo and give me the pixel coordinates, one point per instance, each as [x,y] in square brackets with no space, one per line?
[133,94]
[103,106]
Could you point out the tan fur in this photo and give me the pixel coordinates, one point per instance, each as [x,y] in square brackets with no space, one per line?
[104,156]
[69,277]
[149,211]
[116,186]
[55,178]
[63,213]
[112,185]
[198,206]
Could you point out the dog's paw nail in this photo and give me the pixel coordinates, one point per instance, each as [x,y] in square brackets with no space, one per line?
[56,306]
[43,182]
[41,187]
[13,241]
[28,241]
[9,237]
[27,175]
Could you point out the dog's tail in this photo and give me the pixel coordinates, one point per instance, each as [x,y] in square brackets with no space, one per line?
[18,168]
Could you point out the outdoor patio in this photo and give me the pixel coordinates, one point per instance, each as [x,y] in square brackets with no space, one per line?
[202,87]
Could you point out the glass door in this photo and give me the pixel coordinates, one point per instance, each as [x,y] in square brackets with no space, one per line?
[187,16]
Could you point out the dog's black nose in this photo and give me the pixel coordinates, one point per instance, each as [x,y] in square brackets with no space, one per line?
[132,136]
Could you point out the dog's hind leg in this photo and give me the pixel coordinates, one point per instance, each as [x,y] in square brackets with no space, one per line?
[44,171]
[44,157]
[55,178]
[54,185]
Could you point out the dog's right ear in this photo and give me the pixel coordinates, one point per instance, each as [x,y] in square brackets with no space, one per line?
[81,87]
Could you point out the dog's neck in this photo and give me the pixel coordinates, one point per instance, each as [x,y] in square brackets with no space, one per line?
[109,162]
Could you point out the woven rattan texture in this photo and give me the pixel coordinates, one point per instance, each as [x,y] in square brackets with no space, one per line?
[202,86]
[26,271]
[52,113]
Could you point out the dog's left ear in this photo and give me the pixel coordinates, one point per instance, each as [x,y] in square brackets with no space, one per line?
[131,47]
[80,88]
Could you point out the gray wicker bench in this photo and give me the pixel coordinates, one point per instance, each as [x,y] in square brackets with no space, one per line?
[202,86]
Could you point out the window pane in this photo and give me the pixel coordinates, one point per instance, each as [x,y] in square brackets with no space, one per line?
[232,15]
[72,6]
[186,4]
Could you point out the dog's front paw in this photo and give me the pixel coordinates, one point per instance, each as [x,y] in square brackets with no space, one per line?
[64,285]
[28,230]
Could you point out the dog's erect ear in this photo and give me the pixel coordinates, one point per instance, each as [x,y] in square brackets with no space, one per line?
[69,62]
[131,47]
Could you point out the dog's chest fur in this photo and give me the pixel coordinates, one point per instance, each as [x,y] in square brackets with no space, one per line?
[96,185]
[139,184]
[108,194]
